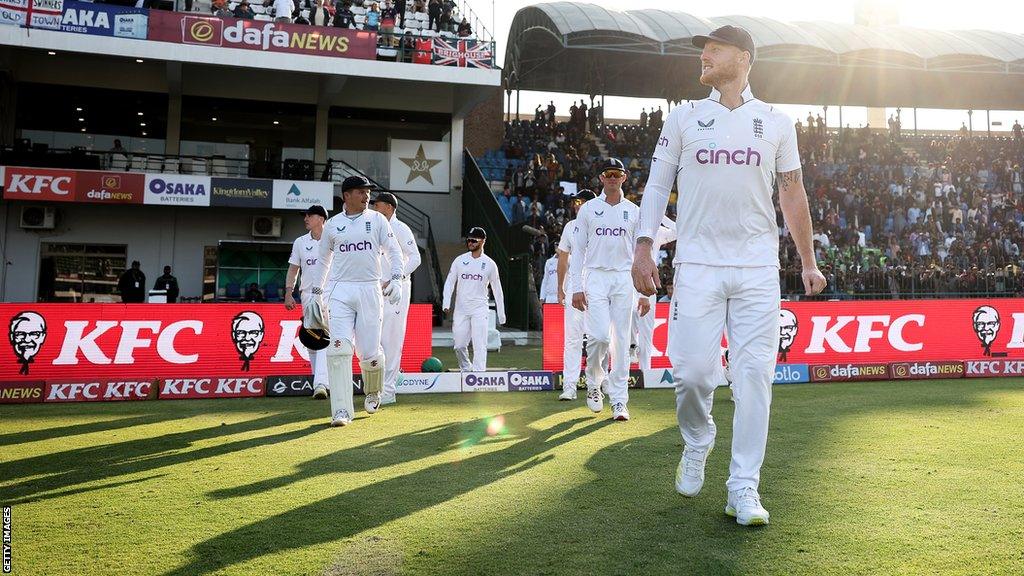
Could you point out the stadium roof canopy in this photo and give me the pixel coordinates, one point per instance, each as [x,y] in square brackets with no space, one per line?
[583,48]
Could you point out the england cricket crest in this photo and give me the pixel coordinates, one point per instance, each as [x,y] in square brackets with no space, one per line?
[26,333]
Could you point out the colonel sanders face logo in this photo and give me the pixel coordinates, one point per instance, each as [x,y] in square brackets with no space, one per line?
[788,328]
[247,334]
[986,326]
[27,334]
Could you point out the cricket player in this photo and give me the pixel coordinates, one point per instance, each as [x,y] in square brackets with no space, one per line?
[349,288]
[396,316]
[304,262]
[725,153]
[549,284]
[602,288]
[643,326]
[572,323]
[472,273]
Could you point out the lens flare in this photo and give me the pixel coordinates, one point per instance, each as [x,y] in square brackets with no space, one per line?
[496,425]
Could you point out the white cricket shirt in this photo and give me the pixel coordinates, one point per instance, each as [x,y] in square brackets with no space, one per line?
[726,161]
[565,244]
[306,255]
[605,237]
[350,248]
[549,284]
[407,242]
[472,276]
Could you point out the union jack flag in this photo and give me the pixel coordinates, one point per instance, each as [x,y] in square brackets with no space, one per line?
[463,53]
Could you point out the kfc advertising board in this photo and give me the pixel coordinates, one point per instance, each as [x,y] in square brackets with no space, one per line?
[845,335]
[115,351]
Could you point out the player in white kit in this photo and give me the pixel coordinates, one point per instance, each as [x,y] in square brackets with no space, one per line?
[643,326]
[572,319]
[549,284]
[350,276]
[472,273]
[304,262]
[727,151]
[396,315]
[602,288]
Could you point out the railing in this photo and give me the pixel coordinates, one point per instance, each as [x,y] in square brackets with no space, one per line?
[480,208]
[889,285]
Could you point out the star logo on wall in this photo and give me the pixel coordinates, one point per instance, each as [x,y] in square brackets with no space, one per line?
[420,166]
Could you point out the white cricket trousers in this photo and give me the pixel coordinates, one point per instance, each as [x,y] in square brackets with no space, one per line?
[355,315]
[471,326]
[705,301]
[608,321]
[317,358]
[393,337]
[572,357]
[643,326]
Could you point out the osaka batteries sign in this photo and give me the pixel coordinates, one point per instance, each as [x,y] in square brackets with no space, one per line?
[864,332]
[259,35]
[59,343]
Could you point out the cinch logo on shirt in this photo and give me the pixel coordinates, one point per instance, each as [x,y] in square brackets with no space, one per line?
[748,157]
[356,246]
[620,231]
[467,276]
[310,261]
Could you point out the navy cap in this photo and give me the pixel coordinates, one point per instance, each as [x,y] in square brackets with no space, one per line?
[316,210]
[356,182]
[729,34]
[477,232]
[584,195]
[387,198]
[613,164]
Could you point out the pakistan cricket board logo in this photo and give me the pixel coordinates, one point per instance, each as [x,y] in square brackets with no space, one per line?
[788,327]
[247,334]
[27,333]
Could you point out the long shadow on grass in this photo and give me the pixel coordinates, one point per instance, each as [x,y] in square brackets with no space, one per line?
[373,505]
[76,429]
[72,467]
[629,520]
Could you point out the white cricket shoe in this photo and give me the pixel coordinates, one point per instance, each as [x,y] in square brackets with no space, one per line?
[567,393]
[386,399]
[745,506]
[690,472]
[372,402]
[320,392]
[595,398]
[341,418]
[619,412]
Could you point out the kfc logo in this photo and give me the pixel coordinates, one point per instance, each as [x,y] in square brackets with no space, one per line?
[39,184]
[788,328]
[27,333]
[985,321]
[247,334]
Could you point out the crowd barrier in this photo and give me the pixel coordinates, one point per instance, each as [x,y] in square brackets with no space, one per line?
[93,352]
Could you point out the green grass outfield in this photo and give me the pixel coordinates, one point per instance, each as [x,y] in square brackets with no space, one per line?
[919,477]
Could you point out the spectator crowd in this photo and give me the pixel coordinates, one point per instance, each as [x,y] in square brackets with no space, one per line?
[895,216]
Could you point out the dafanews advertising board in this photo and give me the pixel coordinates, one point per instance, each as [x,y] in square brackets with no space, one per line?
[183,28]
